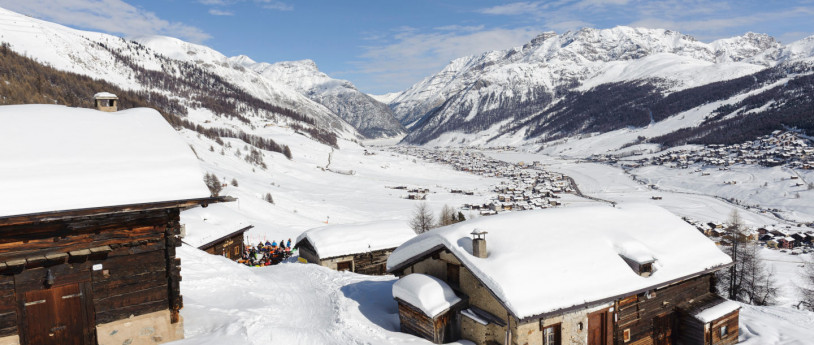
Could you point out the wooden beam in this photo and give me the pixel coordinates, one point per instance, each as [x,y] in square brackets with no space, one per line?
[95,211]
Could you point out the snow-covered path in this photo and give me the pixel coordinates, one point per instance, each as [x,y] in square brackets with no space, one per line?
[228,303]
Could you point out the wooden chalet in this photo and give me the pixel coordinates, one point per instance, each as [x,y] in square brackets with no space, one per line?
[361,248]
[90,225]
[217,230]
[629,282]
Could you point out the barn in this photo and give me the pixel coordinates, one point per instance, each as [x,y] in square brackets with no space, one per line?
[217,230]
[640,275]
[361,247]
[90,223]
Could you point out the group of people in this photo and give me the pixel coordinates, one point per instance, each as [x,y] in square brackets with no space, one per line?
[265,254]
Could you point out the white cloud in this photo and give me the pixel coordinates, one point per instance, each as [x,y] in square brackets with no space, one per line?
[275,5]
[717,27]
[217,12]
[412,54]
[113,16]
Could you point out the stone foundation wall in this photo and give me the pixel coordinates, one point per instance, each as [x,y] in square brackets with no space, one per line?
[10,340]
[152,328]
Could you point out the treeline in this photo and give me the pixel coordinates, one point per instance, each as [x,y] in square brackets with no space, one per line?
[25,81]
[789,105]
[614,106]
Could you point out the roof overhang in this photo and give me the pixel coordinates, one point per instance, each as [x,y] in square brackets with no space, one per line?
[51,216]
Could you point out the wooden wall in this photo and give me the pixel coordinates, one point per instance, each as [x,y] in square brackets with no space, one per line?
[227,247]
[414,321]
[637,312]
[136,250]
[373,263]
[731,321]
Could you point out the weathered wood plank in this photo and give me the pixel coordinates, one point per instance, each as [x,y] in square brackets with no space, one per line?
[125,312]
[153,294]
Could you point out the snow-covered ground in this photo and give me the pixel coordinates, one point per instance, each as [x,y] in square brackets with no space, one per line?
[297,303]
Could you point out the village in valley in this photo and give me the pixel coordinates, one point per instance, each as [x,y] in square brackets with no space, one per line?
[157,191]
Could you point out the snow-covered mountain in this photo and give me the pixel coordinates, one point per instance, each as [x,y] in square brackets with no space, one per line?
[512,96]
[372,118]
[175,69]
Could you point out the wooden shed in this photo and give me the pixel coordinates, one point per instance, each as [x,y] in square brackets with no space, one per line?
[361,247]
[88,235]
[428,308]
[708,320]
[217,230]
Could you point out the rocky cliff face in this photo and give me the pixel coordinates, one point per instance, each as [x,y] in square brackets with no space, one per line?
[370,117]
[497,94]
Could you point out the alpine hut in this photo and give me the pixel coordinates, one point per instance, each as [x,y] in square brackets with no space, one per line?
[640,275]
[89,225]
[361,247]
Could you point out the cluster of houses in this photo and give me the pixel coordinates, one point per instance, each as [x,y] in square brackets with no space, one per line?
[798,240]
[527,186]
[788,148]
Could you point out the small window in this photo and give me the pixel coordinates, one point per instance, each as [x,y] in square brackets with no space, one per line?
[626,335]
[724,331]
[551,335]
[237,250]
[646,269]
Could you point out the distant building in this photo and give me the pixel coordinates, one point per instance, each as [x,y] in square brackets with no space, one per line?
[217,230]
[90,225]
[106,101]
[629,281]
[361,248]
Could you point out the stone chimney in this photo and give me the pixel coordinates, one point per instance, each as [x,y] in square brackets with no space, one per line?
[479,243]
[106,101]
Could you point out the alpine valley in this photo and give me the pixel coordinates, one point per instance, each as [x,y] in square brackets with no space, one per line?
[594,118]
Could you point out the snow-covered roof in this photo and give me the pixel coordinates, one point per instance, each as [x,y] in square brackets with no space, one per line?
[346,239]
[104,95]
[718,311]
[526,251]
[56,158]
[204,225]
[427,293]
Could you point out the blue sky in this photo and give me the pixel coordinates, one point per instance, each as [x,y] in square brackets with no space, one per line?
[384,46]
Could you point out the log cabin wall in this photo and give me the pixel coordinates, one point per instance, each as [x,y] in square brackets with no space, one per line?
[231,247]
[731,322]
[636,313]
[123,262]
[372,263]
[413,321]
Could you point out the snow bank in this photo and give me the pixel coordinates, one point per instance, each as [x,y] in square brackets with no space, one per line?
[346,239]
[428,293]
[717,311]
[579,245]
[204,225]
[58,158]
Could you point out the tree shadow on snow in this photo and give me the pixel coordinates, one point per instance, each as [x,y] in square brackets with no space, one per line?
[376,302]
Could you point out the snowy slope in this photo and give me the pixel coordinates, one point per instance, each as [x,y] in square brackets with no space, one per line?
[486,99]
[371,117]
[121,61]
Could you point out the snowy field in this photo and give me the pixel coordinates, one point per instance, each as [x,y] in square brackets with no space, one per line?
[293,303]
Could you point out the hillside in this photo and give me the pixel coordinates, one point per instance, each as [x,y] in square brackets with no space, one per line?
[372,118]
[598,81]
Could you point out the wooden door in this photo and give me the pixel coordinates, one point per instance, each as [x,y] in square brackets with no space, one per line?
[453,274]
[344,265]
[598,328]
[663,329]
[54,316]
